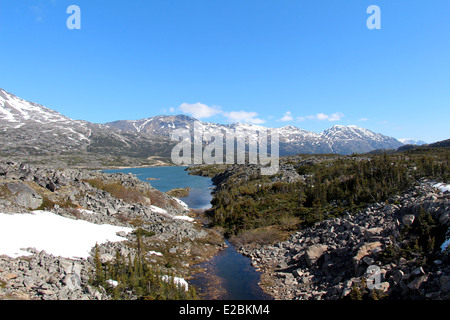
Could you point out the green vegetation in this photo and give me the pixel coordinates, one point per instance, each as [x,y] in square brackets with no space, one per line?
[179,192]
[419,242]
[47,203]
[136,278]
[130,194]
[117,190]
[207,170]
[330,186]
[263,236]
[361,292]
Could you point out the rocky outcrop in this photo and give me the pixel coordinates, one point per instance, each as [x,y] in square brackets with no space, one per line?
[25,186]
[336,258]
[45,277]
[314,252]
[239,173]
[24,195]
[80,194]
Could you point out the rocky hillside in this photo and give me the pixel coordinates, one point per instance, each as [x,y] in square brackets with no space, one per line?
[323,222]
[400,239]
[170,239]
[30,129]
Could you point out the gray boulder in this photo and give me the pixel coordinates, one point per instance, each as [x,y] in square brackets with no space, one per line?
[314,252]
[25,196]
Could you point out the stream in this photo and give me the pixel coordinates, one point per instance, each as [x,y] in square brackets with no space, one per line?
[227,276]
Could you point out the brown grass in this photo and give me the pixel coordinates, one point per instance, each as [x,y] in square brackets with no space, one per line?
[261,236]
[179,192]
[117,190]
[289,222]
[133,195]
[4,192]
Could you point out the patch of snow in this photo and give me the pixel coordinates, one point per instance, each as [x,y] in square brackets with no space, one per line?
[8,115]
[114,283]
[142,126]
[80,135]
[155,253]
[182,203]
[442,187]
[85,211]
[55,234]
[186,218]
[178,281]
[158,209]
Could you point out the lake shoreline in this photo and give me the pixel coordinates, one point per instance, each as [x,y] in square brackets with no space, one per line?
[212,274]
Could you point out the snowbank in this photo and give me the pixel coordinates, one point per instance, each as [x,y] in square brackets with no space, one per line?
[186,218]
[55,234]
[88,212]
[114,283]
[164,212]
[155,253]
[180,282]
[158,209]
[182,203]
[442,186]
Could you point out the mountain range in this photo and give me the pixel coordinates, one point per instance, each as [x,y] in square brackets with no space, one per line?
[337,139]
[27,128]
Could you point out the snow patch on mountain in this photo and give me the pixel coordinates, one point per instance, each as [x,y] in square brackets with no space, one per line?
[337,139]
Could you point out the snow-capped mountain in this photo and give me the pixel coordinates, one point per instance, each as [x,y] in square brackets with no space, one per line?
[34,128]
[412,142]
[27,128]
[350,139]
[293,140]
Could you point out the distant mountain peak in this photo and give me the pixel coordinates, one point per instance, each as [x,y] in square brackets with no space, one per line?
[412,142]
[293,140]
[289,127]
[17,111]
[32,128]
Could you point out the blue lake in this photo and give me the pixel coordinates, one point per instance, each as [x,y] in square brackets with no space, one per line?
[229,271]
[167,178]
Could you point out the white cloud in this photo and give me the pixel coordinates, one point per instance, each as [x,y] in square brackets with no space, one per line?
[199,110]
[243,116]
[363,119]
[38,12]
[305,118]
[323,117]
[287,117]
[335,116]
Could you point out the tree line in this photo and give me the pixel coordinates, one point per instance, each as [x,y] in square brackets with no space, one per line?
[328,188]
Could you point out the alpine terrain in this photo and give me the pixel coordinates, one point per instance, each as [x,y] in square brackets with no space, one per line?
[337,139]
[30,129]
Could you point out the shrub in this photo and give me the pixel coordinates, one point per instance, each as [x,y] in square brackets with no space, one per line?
[116,189]
[262,236]
[179,192]
[46,204]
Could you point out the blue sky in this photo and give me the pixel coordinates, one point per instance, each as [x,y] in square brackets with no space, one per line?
[312,64]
